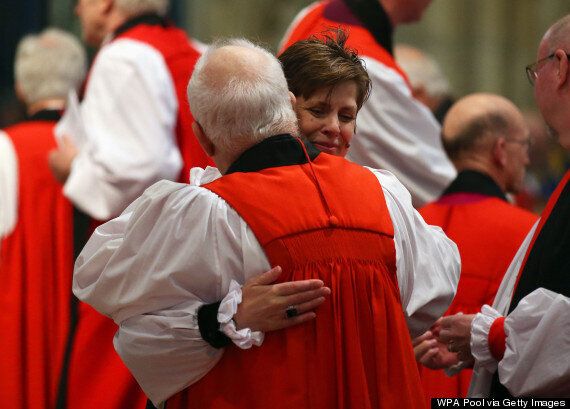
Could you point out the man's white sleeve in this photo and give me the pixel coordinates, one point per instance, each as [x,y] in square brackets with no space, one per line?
[397,133]
[8,186]
[174,249]
[427,261]
[537,357]
[537,334]
[129,115]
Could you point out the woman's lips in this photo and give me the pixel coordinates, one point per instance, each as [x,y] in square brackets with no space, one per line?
[327,148]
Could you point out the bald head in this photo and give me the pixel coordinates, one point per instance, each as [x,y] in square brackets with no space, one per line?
[474,121]
[558,35]
[487,133]
[552,80]
[239,96]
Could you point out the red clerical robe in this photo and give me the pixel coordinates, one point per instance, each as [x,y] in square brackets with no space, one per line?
[94,365]
[36,262]
[488,231]
[318,20]
[357,353]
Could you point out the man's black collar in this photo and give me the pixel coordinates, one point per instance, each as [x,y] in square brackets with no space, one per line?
[45,115]
[471,181]
[148,19]
[275,151]
[368,13]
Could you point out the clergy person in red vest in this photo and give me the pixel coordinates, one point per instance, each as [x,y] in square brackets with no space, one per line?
[486,137]
[36,225]
[137,128]
[520,344]
[161,267]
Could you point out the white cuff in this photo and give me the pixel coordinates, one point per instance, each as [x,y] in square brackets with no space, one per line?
[245,337]
[480,328]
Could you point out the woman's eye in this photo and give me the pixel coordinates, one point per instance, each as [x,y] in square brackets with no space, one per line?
[317,111]
[346,118]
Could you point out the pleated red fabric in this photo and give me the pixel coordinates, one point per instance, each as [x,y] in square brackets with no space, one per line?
[357,353]
[36,262]
[488,232]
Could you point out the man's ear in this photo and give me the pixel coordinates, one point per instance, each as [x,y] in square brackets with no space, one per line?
[293,100]
[205,143]
[19,93]
[499,152]
[106,6]
[562,75]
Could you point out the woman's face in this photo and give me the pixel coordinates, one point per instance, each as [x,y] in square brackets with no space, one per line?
[327,119]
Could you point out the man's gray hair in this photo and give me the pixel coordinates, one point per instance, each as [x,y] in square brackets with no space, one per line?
[133,8]
[239,105]
[492,123]
[49,65]
[422,70]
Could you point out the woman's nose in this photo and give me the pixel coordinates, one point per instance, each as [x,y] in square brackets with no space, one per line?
[332,125]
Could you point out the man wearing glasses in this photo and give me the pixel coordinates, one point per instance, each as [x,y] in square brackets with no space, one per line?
[520,346]
[487,139]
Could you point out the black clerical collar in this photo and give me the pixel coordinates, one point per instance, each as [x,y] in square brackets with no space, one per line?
[471,181]
[147,19]
[367,13]
[45,115]
[275,151]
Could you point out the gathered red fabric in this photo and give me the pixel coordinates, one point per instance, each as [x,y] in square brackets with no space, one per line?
[36,262]
[357,353]
[488,231]
[94,364]
[497,338]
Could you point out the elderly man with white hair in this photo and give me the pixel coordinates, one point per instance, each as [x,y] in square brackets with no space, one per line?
[36,224]
[162,267]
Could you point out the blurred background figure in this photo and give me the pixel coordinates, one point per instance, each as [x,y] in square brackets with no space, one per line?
[548,163]
[428,82]
[136,130]
[487,139]
[36,224]
[395,131]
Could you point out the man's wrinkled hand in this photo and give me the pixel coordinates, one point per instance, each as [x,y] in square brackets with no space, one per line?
[456,334]
[60,159]
[264,305]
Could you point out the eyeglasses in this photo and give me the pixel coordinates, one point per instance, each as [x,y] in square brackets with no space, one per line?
[532,69]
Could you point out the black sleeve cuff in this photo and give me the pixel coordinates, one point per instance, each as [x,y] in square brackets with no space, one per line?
[210,327]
